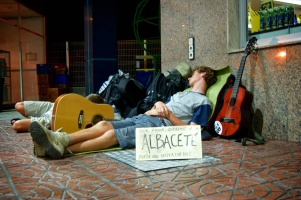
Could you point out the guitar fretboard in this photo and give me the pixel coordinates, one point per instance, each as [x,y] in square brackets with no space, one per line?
[238,78]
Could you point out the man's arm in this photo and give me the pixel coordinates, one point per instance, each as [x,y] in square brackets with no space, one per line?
[174,120]
[160,109]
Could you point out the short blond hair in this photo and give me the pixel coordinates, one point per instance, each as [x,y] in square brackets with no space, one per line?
[95,98]
[210,76]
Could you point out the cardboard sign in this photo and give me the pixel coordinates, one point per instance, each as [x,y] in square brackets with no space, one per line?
[170,142]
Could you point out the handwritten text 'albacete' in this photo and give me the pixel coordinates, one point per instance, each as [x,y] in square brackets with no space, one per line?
[168,142]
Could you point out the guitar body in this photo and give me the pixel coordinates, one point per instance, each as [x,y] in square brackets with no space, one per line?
[74,112]
[234,120]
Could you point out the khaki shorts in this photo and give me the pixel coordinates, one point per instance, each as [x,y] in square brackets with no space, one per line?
[39,110]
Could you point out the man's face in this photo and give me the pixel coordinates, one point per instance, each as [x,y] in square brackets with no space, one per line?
[196,76]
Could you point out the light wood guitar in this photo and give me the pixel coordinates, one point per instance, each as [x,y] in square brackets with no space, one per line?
[74,112]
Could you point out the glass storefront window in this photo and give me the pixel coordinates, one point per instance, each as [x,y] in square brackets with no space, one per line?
[276,22]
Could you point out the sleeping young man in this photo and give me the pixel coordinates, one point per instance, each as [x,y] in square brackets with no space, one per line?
[40,110]
[183,108]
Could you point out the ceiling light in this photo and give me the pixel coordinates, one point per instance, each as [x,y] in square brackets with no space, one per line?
[296,2]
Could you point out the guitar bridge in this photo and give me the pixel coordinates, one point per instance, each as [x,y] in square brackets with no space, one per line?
[80,119]
[227,120]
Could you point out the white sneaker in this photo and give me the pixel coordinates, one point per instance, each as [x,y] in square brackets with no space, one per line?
[54,143]
[38,150]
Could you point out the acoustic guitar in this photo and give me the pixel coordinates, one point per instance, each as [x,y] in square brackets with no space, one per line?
[74,112]
[234,117]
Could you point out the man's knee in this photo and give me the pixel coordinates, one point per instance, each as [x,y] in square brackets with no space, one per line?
[18,126]
[104,125]
[20,108]
[19,105]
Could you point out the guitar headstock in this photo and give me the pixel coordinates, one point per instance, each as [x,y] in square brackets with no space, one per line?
[250,45]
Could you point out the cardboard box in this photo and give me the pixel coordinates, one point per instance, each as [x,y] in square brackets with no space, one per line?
[60,69]
[45,78]
[54,93]
[43,88]
[65,88]
[43,97]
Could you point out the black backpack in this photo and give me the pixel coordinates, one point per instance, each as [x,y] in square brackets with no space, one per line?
[124,93]
[156,91]
[175,82]
[160,88]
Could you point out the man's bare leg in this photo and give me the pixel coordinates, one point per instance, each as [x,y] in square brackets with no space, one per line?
[21,125]
[99,136]
[106,140]
[20,108]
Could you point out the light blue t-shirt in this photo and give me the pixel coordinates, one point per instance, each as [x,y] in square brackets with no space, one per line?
[190,107]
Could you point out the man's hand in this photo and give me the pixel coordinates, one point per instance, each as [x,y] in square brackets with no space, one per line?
[159,109]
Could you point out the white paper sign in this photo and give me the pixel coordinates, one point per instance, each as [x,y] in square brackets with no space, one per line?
[170,142]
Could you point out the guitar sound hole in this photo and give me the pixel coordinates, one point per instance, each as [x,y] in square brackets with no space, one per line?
[88,126]
[97,118]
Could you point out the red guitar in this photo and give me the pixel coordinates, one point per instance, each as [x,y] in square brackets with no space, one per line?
[234,117]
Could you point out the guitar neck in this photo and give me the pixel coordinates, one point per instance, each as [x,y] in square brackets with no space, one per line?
[238,77]
[248,50]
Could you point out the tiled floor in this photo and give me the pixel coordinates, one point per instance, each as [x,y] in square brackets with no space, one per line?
[270,171]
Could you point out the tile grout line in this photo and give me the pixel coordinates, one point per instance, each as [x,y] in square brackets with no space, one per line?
[102,178]
[7,174]
[293,158]
[9,179]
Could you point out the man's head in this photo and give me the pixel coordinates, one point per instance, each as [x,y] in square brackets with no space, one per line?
[210,75]
[95,98]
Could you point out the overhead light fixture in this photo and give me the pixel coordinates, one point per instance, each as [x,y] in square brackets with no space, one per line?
[296,2]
